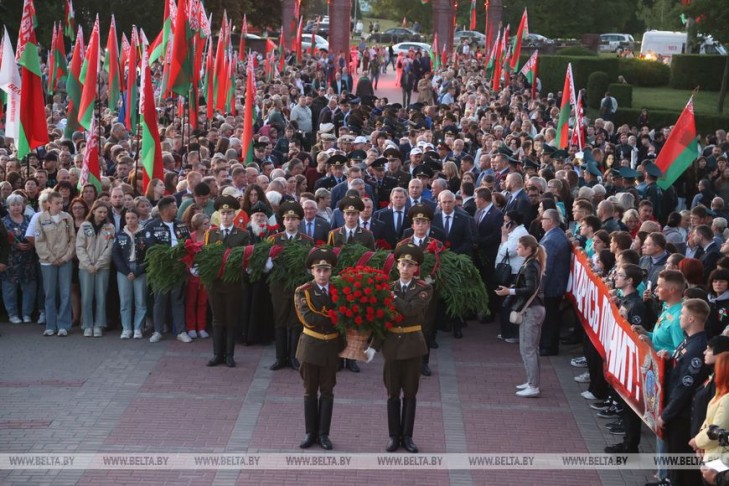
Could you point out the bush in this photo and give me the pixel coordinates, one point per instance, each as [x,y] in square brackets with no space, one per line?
[691,70]
[705,123]
[551,70]
[623,93]
[644,73]
[576,51]
[597,84]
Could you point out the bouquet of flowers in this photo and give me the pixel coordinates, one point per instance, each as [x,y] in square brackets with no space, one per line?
[363,305]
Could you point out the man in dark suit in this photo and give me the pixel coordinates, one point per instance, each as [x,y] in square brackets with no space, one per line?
[469,202]
[517,197]
[319,348]
[489,220]
[381,183]
[313,226]
[415,195]
[368,222]
[339,85]
[394,219]
[556,275]
[355,180]
[224,297]
[708,251]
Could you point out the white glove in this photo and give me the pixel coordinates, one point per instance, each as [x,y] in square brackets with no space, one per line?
[268,266]
[194,272]
[429,280]
[249,271]
[370,353]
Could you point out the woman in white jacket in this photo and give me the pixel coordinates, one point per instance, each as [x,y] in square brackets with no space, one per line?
[94,242]
[512,229]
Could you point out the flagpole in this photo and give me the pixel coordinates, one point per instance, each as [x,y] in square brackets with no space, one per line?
[136,157]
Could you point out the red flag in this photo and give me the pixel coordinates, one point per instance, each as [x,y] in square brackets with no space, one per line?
[131,111]
[299,31]
[568,99]
[281,54]
[209,85]
[91,169]
[521,33]
[180,80]
[88,95]
[313,36]
[124,52]
[51,63]
[578,132]
[472,25]
[681,148]
[220,71]
[497,65]
[111,65]
[242,43]
[151,150]
[247,141]
[404,22]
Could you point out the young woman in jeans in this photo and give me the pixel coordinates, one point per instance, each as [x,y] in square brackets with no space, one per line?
[128,257]
[528,282]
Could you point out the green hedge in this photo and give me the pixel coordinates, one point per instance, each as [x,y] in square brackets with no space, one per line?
[663,118]
[597,84]
[577,51]
[691,70]
[552,69]
[644,73]
[623,93]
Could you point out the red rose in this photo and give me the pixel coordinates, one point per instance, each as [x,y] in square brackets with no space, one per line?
[368,291]
[358,285]
[373,300]
[349,313]
[370,281]
[335,297]
[350,298]
[346,291]
[388,325]
[355,308]
[357,293]
[332,316]
[358,320]
[363,300]
[388,301]
[342,309]
[380,313]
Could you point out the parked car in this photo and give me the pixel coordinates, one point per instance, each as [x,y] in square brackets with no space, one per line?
[396,34]
[616,42]
[320,43]
[322,29]
[473,37]
[405,47]
[536,40]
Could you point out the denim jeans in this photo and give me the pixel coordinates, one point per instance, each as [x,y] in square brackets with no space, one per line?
[57,287]
[132,300]
[529,332]
[10,297]
[175,300]
[93,288]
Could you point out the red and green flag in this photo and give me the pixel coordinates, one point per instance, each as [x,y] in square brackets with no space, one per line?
[10,84]
[73,86]
[681,148]
[91,169]
[151,152]
[530,72]
[434,53]
[89,73]
[180,80]
[248,117]
[111,66]
[160,45]
[496,83]
[219,73]
[521,34]
[568,99]
[242,43]
[69,21]
[132,92]
[209,85]
[472,25]
[281,55]
[33,127]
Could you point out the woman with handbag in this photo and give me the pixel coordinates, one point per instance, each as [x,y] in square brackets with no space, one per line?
[527,309]
[507,267]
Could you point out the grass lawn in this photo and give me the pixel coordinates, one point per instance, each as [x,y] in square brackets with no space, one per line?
[674,99]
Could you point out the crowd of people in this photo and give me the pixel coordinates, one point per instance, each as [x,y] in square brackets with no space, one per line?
[464,167]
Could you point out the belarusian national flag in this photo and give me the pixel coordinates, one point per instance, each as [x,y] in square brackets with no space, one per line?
[181,63]
[219,73]
[151,150]
[247,142]
[132,92]
[10,84]
[242,43]
[91,169]
[578,133]
[681,148]
[69,22]
[434,53]
[281,55]
[33,128]
[209,85]
[530,72]
[73,86]
[159,46]
[111,65]
[472,26]
[568,99]
[521,33]
[496,83]
[90,71]
[52,63]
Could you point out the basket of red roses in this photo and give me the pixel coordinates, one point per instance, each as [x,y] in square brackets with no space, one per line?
[363,306]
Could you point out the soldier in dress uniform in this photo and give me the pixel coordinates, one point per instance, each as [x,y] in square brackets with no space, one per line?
[421,216]
[288,327]
[224,297]
[351,232]
[336,164]
[403,347]
[319,348]
[381,183]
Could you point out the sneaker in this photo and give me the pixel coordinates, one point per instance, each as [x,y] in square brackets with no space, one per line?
[27,320]
[137,334]
[98,332]
[612,412]
[587,395]
[192,334]
[62,333]
[580,362]
[49,332]
[88,332]
[126,334]
[155,337]
[660,482]
[617,430]
[203,334]
[523,386]
[499,336]
[617,423]
[601,405]
[528,392]
[512,340]
[583,378]
[15,320]
[42,318]
[184,337]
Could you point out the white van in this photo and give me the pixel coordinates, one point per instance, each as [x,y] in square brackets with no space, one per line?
[664,44]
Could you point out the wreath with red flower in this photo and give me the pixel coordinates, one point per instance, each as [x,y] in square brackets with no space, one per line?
[363,301]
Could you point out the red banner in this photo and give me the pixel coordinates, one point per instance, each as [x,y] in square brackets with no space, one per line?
[631,366]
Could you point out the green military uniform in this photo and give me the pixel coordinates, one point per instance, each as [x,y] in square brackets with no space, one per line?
[403,348]
[318,351]
[341,236]
[225,297]
[287,325]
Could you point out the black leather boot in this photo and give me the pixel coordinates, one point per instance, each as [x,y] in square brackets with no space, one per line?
[393,424]
[408,423]
[230,347]
[326,406]
[311,420]
[294,335]
[218,346]
[281,357]
[424,368]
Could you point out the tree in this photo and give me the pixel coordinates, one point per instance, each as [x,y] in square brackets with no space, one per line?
[660,14]
[712,18]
